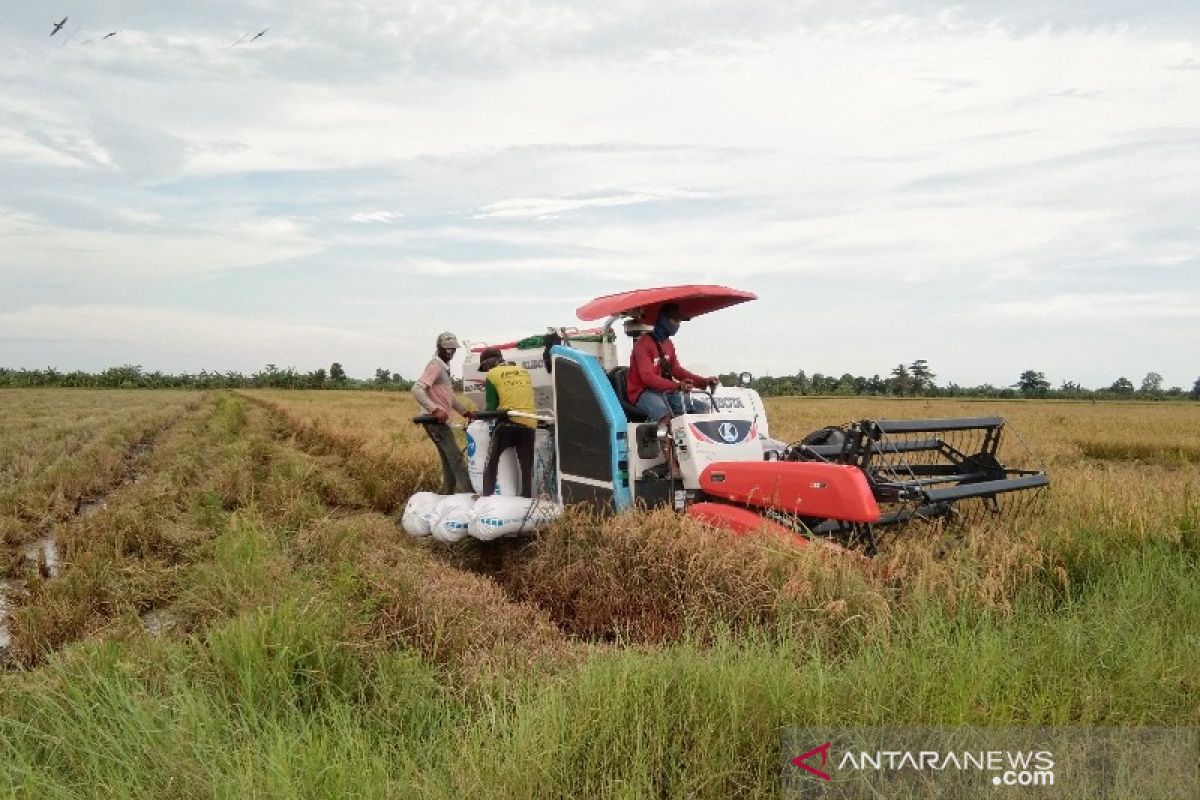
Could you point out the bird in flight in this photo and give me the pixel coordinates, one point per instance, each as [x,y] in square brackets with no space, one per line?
[58,26]
[243,40]
[108,35]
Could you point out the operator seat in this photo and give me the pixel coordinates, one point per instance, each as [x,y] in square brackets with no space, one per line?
[619,377]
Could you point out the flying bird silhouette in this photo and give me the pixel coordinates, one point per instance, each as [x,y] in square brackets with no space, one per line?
[58,26]
[108,35]
[260,34]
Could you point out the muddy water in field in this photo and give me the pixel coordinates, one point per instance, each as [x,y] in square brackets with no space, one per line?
[41,555]
[89,505]
[157,621]
[6,586]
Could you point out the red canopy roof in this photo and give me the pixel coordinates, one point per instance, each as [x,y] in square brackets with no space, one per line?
[693,300]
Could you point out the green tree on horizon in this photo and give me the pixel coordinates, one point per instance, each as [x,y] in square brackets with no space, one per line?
[1033,383]
[1122,385]
[922,376]
[1152,383]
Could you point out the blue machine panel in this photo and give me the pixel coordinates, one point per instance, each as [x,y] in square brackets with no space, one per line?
[590,432]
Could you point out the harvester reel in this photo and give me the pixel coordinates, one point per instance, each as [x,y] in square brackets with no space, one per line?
[950,471]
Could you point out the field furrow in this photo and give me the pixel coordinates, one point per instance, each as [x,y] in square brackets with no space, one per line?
[64,448]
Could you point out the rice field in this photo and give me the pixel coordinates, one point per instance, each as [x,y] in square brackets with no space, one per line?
[232,609]
[62,445]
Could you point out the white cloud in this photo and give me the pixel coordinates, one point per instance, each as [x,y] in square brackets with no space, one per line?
[553,207]
[41,249]
[366,217]
[1105,307]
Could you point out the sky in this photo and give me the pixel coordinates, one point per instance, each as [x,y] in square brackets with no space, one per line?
[990,186]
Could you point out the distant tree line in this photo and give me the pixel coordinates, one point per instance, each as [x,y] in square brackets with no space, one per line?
[271,376]
[918,380]
[905,380]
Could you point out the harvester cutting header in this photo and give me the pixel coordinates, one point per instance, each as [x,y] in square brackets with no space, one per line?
[706,451]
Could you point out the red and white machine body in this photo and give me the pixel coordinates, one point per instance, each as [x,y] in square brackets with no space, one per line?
[722,466]
[728,456]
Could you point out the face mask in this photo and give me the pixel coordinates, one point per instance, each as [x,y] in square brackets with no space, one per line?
[671,326]
[445,355]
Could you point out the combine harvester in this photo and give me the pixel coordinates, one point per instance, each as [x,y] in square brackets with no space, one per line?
[843,484]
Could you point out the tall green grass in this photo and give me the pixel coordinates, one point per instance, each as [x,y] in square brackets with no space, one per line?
[289,701]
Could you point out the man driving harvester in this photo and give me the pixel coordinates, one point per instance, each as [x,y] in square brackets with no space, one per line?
[656,378]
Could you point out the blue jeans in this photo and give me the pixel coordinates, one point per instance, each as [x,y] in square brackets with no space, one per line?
[656,405]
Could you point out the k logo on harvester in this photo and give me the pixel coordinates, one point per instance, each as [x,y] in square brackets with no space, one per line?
[728,431]
[800,760]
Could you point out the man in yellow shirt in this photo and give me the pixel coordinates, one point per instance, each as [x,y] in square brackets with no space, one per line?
[509,387]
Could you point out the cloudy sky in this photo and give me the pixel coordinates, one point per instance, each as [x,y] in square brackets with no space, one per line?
[992,186]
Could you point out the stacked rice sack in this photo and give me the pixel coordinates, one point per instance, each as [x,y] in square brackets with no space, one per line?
[498,516]
[450,518]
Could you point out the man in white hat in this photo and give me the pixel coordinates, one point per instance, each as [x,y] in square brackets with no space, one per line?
[434,390]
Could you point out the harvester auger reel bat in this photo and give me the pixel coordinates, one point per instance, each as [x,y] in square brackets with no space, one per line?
[847,484]
[931,469]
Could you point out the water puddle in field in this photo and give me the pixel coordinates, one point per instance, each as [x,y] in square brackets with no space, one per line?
[6,586]
[158,621]
[41,555]
[86,506]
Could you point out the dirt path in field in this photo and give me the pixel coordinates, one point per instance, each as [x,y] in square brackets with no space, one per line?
[41,555]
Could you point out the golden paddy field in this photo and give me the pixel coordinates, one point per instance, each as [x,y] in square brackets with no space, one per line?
[232,609]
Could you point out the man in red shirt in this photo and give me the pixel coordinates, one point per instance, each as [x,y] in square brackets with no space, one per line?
[656,378]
